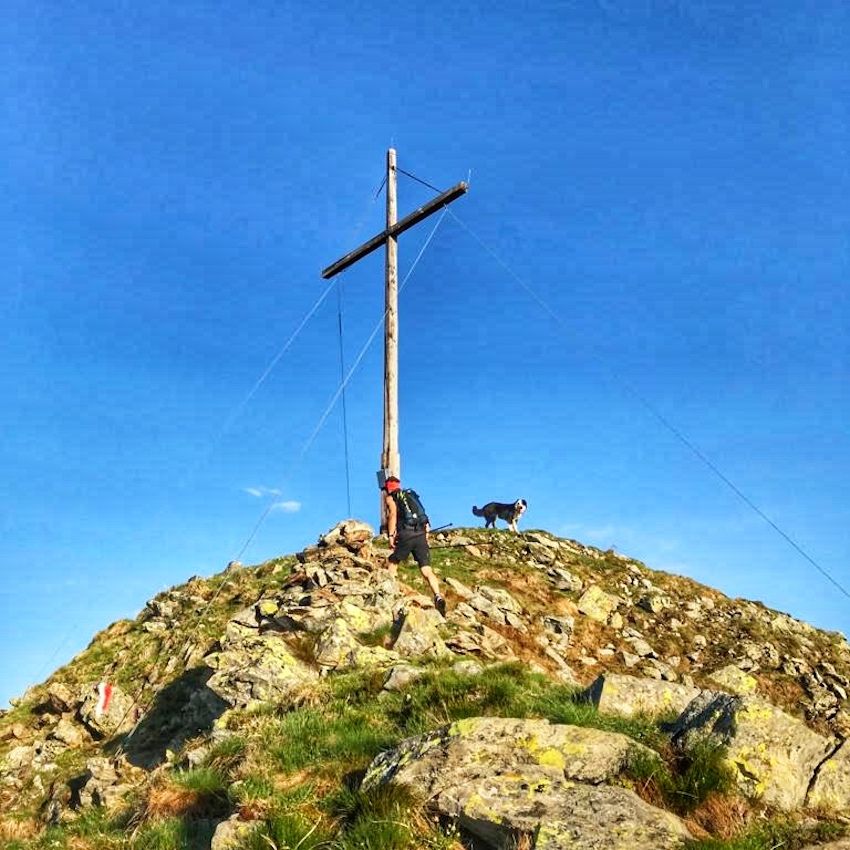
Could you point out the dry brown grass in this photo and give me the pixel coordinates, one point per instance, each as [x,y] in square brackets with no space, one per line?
[721,815]
[781,690]
[523,645]
[167,800]
[528,587]
[18,830]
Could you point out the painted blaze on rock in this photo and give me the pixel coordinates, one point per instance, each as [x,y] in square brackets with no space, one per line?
[503,776]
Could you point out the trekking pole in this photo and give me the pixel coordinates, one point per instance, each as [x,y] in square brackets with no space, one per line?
[432,530]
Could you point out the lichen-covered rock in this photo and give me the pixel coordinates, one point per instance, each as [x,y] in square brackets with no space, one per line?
[614,693]
[260,668]
[831,788]
[734,680]
[560,816]
[418,636]
[231,834]
[597,604]
[500,777]
[490,745]
[337,646]
[773,756]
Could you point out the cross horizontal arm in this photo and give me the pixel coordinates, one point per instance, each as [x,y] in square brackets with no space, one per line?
[405,224]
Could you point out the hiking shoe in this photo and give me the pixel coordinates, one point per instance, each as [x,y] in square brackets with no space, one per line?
[440,604]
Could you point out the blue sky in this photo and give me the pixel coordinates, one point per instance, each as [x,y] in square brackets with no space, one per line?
[669,178]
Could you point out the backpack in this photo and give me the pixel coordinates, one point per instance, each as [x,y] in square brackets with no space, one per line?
[411,514]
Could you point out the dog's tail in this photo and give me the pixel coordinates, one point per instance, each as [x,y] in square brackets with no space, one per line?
[477,511]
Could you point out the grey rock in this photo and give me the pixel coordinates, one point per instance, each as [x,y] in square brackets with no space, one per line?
[830,790]
[613,693]
[230,834]
[400,676]
[597,604]
[503,777]
[772,755]
[418,636]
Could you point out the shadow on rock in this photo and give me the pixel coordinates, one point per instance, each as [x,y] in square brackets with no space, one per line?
[183,709]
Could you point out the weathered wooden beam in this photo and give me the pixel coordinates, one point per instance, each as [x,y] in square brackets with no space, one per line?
[405,224]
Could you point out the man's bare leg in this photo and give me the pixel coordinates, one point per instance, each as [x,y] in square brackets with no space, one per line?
[428,575]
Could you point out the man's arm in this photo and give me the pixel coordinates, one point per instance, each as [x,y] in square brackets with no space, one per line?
[392,518]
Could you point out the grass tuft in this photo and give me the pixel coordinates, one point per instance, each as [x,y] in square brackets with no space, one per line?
[684,786]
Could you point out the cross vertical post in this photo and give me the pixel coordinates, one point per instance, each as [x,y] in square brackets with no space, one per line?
[390,453]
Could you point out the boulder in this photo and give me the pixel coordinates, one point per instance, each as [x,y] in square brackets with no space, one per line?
[497,604]
[402,675]
[614,693]
[418,636]
[504,777]
[259,668]
[337,646]
[60,698]
[597,604]
[461,750]
[351,534]
[69,733]
[560,816]
[102,716]
[459,588]
[773,755]
[103,784]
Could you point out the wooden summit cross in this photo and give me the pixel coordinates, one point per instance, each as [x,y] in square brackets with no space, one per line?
[390,456]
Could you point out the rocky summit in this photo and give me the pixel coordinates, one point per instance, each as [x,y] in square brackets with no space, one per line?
[570,698]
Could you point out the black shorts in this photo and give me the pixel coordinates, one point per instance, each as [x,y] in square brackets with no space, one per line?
[411,541]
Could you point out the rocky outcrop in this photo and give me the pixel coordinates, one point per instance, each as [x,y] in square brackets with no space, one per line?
[554,605]
[503,777]
[773,756]
[256,668]
[419,636]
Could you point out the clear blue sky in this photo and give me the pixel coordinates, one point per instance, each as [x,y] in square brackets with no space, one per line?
[670,178]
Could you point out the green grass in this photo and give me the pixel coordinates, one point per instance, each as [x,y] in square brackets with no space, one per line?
[377,637]
[211,787]
[781,833]
[686,780]
[174,834]
[226,754]
[288,831]
[311,737]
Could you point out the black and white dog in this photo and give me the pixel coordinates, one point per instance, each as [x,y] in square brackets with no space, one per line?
[510,513]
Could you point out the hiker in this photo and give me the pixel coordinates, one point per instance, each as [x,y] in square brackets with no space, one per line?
[407,527]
